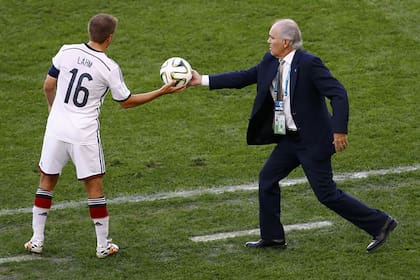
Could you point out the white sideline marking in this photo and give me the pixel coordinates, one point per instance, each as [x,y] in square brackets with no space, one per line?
[18,259]
[31,257]
[215,190]
[225,235]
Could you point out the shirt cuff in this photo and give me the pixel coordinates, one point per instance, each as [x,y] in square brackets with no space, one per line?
[205,80]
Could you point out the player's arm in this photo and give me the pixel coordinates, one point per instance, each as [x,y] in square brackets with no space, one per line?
[142,98]
[50,85]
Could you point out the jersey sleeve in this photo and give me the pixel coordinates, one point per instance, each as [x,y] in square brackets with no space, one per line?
[56,60]
[119,90]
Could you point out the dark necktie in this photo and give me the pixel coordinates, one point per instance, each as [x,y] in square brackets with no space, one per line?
[280,81]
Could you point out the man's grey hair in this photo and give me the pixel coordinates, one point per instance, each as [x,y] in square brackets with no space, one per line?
[289,30]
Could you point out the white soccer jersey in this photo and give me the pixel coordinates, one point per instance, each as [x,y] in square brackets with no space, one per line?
[85,77]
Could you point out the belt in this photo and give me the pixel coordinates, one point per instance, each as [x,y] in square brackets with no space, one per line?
[293,135]
[292,132]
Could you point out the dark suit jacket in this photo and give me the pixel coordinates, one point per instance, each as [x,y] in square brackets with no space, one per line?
[310,83]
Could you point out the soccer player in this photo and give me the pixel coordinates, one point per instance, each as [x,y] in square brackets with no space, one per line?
[80,77]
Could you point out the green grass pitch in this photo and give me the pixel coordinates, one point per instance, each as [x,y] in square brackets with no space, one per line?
[196,140]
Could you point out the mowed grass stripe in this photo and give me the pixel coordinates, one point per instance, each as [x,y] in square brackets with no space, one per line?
[204,238]
[215,190]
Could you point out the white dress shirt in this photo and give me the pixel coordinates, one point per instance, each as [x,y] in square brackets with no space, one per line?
[290,124]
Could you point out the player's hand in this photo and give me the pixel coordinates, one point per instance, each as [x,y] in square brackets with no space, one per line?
[172,88]
[340,142]
[195,80]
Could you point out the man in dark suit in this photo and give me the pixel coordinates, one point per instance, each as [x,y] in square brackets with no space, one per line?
[290,111]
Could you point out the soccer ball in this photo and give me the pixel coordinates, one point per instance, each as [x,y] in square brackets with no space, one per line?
[176,69]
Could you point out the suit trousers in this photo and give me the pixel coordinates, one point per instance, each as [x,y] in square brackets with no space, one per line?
[288,154]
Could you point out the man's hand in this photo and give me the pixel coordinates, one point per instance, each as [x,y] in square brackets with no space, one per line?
[171,88]
[195,80]
[340,141]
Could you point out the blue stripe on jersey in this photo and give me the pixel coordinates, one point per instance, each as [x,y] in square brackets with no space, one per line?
[123,99]
[53,72]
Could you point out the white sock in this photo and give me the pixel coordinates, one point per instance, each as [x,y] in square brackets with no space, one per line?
[101,228]
[39,218]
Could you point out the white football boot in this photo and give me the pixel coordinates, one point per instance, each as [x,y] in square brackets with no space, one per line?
[34,246]
[110,249]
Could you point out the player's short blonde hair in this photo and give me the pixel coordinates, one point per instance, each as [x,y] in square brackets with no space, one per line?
[101,26]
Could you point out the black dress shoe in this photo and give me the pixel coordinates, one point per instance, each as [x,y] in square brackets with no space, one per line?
[280,244]
[380,239]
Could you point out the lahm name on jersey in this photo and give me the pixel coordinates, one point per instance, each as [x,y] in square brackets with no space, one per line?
[84,61]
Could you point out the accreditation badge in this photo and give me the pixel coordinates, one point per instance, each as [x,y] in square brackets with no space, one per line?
[279,122]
